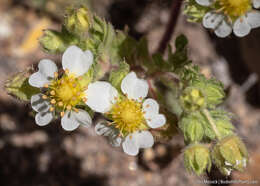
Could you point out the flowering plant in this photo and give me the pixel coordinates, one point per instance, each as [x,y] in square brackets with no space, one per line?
[143,98]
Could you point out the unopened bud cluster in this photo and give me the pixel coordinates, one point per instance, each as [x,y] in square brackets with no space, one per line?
[202,123]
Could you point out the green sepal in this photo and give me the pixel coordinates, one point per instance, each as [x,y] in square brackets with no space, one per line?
[222,122]
[117,75]
[55,42]
[230,153]
[192,127]
[192,99]
[194,11]
[197,158]
[19,87]
[78,21]
[213,89]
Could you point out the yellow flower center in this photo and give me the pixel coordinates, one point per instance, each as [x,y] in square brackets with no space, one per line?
[235,8]
[128,116]
[65,93]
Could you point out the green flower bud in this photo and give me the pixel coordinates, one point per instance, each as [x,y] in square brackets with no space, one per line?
[222,122]
[212,89]
[230,153]
[192,99]
[56,42]
[78,21]
[192,127]
[197,159]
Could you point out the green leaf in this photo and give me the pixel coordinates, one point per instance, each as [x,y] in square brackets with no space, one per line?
[181,42]
[18,86]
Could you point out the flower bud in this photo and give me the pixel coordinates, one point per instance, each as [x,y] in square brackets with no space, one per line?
[213,91]
[56,42]
[230,153]
[78,21]
[192,99]
[192,127]
[52,42]
[222,122]
[197,159]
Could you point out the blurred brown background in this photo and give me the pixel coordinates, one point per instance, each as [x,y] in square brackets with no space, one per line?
[48,156]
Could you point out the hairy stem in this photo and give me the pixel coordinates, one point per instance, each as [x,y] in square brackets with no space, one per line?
[212,123]
[175,11]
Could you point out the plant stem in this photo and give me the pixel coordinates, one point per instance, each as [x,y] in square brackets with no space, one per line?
[175,11]
[212,123]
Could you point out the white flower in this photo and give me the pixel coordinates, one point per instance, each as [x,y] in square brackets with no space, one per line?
[63,93]
[236,15]
[132,115]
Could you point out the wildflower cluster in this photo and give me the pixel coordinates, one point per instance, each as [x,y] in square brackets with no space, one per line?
[138,108]
[223,16]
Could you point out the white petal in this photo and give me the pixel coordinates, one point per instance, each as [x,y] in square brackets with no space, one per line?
[45,73]
[39,104]
[109,132]
[223,30]
[101,96]
[241,27]
[212,20]
[38,80]
[150,106]
[77,61]
[43,118]
[134,87]
[130,144]
[102,129]
[69,122]
[83,118]
[204,2]
[155,121]
[253,19]
[145,139]
[47,68]
[115,141]
[256,3]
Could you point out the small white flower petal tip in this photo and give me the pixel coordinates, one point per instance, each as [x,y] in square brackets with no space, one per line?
[134,87]
[204,2]
[47,68]
[71,120]
[133,142]
[76,61]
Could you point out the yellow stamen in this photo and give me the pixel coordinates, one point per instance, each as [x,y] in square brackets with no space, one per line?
[44,97]
[60,104]
[56,74]
[69,107]
[128,116]
[76,110]
[52,92]
[53,101]
[234,8]
[67,71]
